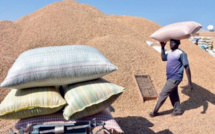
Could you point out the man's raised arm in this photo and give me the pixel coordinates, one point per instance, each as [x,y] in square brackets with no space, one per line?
[163,56]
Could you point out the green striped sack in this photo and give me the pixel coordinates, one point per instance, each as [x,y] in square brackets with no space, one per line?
[24,103]
[57,65]
[88,98]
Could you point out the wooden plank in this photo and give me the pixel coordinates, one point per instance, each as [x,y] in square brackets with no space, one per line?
[145,87]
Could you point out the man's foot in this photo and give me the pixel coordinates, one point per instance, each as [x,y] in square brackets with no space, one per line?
[176,113]
[153,114]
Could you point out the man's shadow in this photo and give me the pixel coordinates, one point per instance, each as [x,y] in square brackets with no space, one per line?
[198,97]
[137,125]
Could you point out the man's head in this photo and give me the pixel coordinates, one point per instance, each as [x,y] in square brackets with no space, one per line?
[174,44]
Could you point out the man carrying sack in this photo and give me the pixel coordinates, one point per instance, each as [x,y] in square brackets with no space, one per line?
[176,62]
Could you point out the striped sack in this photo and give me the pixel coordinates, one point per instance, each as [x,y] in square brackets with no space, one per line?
[59,65]
[23,103]
[88,98]
[57,119]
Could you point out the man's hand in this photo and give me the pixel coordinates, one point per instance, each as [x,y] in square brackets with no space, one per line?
[163,44]
[188,87]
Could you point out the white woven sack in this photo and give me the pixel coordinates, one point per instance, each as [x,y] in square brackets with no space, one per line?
[178,31]
[59,65]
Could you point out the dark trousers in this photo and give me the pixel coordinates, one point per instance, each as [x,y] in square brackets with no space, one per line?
[170,89]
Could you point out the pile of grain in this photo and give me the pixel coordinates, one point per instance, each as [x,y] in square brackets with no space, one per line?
[122,40]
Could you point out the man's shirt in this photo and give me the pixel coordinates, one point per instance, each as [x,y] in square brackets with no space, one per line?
[176,61]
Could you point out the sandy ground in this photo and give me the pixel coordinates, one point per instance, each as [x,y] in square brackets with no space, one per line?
[122,40]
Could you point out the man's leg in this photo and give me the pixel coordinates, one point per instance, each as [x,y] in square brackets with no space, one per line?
[166,91]
[174,98]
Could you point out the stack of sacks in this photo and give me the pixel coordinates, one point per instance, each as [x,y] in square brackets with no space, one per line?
[36,73]
[177,31]
[206,41]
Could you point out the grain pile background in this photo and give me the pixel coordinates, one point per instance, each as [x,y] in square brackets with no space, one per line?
[122,40]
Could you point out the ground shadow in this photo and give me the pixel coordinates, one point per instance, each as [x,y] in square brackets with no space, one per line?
[198,97]
[137,125]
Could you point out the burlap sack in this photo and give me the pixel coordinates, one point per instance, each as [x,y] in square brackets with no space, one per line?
[19,104]
[176,31]
[59,65]
[88,98]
